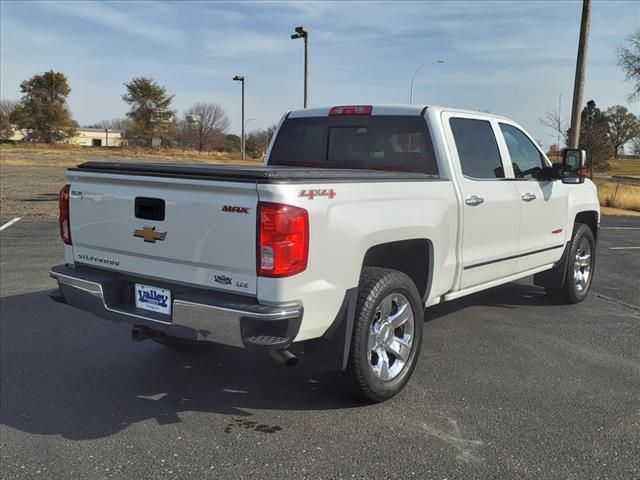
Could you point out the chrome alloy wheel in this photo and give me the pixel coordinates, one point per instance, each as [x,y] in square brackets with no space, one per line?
[582,265]
[391,337]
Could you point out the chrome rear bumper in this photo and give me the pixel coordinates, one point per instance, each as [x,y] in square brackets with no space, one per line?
[196,314]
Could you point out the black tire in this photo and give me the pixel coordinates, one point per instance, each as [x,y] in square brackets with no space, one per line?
[573,292]
[377,284]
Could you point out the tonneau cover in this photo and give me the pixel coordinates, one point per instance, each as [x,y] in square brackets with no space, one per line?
[260,174]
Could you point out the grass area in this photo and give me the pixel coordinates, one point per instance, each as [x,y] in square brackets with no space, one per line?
[70,155]
[32,174]
[619,195]
[626,168]
[618,212]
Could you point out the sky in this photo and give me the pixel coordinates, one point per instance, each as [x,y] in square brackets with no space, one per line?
[514,58]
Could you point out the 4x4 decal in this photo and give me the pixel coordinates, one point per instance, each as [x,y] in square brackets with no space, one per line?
[321,192]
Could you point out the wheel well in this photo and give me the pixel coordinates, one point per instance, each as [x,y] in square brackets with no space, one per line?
[589,218]
[412,257]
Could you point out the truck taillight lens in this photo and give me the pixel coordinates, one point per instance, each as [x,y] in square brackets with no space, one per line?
[283,240]
[63,217]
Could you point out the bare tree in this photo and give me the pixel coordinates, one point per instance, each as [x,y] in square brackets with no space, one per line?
[208,122]
[559,125]
[622,127]
[7,107]
[258,141]
[182,134]
[116,124]
[554,151]
[635,147]
[629,60]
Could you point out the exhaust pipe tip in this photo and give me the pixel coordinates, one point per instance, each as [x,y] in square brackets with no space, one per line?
[135,334]
[284,357]
[140,333]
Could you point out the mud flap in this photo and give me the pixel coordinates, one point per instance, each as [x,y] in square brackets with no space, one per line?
[331,351]
[555,277]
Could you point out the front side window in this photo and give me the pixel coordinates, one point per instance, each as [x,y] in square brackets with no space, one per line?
[526,159]
[477,148]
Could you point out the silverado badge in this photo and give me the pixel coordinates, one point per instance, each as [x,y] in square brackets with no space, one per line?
[149,234]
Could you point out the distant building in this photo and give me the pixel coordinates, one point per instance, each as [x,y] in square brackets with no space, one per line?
[98,137]
[87,137]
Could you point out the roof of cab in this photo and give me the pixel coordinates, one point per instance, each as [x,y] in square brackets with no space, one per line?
[397,109]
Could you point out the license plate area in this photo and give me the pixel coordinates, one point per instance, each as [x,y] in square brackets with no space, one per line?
[152,298]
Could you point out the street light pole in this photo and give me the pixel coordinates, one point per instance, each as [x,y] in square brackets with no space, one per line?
[306,69]
[413,80]
[303,32]
[240,78]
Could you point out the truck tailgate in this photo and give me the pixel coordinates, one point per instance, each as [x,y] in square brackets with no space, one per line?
[198,232]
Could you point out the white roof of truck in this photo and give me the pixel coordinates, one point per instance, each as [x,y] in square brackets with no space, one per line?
[398,109]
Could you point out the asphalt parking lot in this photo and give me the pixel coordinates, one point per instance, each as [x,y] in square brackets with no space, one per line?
[509,385]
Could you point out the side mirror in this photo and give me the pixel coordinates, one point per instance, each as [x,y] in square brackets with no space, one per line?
[573,165]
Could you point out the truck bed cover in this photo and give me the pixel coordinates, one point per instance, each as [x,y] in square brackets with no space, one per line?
[253,174]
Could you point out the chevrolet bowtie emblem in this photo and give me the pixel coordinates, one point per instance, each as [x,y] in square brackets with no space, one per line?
[149,234]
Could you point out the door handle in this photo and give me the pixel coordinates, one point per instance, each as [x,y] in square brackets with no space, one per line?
[474,200]
[527,197]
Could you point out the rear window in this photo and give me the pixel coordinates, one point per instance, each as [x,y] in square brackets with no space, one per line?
[393,143]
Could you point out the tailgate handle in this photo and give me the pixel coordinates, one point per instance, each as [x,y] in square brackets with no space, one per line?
[149,208]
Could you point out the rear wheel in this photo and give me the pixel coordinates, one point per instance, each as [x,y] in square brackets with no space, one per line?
[387,335]
[580,267]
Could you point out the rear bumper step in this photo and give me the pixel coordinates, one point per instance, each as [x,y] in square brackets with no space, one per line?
[196,314]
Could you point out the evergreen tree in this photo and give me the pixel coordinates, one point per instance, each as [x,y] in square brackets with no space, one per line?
[43,111]
[150,111]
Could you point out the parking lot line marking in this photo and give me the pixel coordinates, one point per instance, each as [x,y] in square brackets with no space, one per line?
[620,228]
[9,223]
[624,248]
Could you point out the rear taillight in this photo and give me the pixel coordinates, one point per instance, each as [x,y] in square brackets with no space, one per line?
[63,218]
[283,240]
[351,110]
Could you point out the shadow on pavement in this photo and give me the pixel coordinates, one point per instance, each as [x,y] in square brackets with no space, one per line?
[74,375]
[67,373]
[509,296]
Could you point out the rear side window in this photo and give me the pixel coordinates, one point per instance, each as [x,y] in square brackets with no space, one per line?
[526,159]
[477,148]
[394,143]
[300,135]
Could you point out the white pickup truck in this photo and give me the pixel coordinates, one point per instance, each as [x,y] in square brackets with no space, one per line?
[360,218]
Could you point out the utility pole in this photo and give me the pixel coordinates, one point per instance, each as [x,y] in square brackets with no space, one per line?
[559,120]
[240,78]
[578,86]
[302,32]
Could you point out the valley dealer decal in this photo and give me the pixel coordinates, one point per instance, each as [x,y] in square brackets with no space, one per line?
[153,298]
[224,280]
